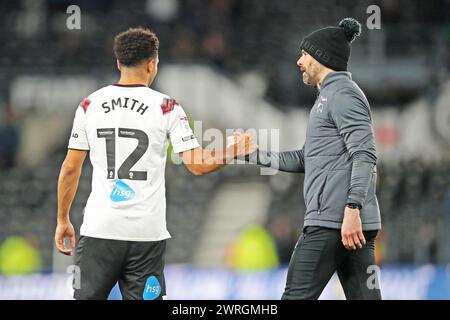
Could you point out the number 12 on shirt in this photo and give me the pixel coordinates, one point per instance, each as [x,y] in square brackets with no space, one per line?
[124,172]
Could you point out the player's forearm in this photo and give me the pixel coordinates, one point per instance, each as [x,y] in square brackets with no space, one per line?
[67,187]
[212,160]
[362,170]
[287,161]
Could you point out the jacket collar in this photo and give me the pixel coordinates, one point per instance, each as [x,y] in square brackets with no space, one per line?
[335,76]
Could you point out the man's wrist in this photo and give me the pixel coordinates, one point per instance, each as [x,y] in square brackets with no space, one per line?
[253,157]
[230,154]
[63,220]
[353,205]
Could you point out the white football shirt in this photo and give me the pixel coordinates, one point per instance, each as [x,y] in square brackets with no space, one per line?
[127,131]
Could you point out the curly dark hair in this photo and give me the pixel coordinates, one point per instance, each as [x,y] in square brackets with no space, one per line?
[135,45]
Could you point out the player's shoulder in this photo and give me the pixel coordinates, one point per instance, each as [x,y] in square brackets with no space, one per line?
[157,95]
[349,88]
[99,93]
[166,102]
[350,95]
[97,96]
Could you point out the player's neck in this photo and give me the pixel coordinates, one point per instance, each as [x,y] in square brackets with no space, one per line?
[129,79]
[323,74]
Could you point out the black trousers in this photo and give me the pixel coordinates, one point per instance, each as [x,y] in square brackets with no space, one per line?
[319,253]
[137,266]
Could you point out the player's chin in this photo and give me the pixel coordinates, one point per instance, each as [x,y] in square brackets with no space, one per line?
[306,79]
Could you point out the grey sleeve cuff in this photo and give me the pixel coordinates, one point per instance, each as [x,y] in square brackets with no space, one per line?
[287,161]
[362,170]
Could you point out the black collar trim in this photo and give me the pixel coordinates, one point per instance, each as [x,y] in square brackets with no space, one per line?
[129,85]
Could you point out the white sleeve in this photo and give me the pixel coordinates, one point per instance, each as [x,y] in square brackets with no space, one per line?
[78,137]
[180,133]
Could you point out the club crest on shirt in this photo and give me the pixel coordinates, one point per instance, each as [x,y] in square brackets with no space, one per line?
[320,105]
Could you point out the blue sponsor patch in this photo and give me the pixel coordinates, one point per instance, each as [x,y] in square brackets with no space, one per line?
[152,289]
[121,192]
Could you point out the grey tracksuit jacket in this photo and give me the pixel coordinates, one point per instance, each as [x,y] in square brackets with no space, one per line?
[338,157]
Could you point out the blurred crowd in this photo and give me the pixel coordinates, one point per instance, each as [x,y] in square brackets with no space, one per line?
[236,37]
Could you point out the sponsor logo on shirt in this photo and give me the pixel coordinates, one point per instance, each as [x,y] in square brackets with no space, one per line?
[188,138]
[121,192]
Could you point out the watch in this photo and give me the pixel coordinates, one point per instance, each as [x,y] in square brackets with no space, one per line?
[354,206]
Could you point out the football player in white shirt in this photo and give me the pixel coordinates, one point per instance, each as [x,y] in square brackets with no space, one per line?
[126,128]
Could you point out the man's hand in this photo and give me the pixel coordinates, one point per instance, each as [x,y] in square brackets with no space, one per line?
[351,231]
[242,143]
[67,186]
[200,161]
[63,230]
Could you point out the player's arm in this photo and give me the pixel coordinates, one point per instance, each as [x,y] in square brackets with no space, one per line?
[200,161]
[353,121]
[196,159]
[351,114]
[69,177]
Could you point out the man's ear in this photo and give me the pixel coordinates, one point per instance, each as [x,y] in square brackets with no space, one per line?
[118,65]
[150,65]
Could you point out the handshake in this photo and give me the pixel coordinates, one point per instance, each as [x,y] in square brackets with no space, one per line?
[240,144]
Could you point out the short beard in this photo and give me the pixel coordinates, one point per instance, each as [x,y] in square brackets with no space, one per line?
[307,80]
[314,70]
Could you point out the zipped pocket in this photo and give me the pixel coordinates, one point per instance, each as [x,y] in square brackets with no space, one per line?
[320,195]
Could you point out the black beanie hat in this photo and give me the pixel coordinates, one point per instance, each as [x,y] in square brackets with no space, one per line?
[331,45]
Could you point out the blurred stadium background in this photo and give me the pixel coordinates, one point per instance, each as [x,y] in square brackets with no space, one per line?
[231,64]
